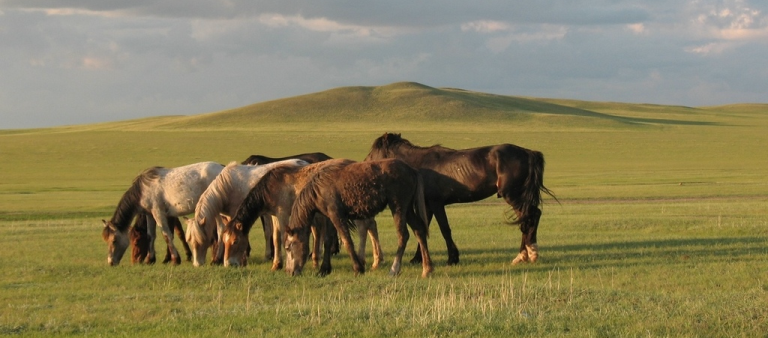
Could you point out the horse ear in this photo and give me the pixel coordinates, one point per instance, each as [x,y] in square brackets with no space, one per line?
[105,223]
[225,218]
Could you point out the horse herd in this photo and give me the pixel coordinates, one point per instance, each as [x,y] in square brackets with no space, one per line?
[313,195]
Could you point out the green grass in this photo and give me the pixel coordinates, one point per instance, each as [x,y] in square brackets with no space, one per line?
[662,229]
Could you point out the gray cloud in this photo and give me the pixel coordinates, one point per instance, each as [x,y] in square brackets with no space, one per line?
[92,61]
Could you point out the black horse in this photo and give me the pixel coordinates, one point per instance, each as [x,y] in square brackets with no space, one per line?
[468,175]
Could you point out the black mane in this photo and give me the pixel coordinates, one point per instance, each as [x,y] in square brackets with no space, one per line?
[129,204]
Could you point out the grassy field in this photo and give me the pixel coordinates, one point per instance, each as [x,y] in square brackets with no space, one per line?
[662,229]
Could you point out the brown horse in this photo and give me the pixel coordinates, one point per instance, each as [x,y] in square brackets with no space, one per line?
[266,221]
[345,190]
[140,240]
[274,194]
[468,175]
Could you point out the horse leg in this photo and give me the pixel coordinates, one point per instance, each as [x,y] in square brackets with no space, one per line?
[343,231]
[417,255]
[529,250]
[402,240]
[317,237]
[530,239]
[362,236]
[217,250]
[152,231]
[445,229]
[269,246]
[180,232]
[420,231]
[327,230]
[373,232]
[278,228]
[161,218]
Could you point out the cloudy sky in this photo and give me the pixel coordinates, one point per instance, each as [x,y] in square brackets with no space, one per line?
[84,61]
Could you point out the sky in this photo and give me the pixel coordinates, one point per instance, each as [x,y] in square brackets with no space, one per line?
[87,61]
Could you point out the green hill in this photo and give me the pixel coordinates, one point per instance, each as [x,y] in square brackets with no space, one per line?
[409,102]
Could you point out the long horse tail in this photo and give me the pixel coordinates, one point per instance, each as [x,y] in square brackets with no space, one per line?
[420,204]
[533,187]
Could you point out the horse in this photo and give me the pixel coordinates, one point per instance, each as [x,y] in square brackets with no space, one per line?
[160,192]
[140,240]
[363,227]
[345,190]
[266,221]
[460,176]
[275,194]
[222,197]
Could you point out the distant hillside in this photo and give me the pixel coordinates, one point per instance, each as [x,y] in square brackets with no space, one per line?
[405,102]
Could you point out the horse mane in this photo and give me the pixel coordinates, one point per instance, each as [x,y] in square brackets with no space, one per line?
[130,202]
[213,194]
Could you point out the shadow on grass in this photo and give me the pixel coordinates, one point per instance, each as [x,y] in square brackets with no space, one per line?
[621,254]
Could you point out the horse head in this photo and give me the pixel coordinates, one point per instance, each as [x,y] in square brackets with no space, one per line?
[197,240]
[296,250]
[236,244]
[117,242]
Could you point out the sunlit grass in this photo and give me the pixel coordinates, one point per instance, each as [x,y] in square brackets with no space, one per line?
[661,229]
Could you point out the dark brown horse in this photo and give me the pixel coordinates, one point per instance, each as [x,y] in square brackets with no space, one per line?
[266,221]
[140,240]
[274,194]
[468,175]
[345,190]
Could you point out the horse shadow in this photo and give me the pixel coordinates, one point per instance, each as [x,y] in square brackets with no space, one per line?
[619,254]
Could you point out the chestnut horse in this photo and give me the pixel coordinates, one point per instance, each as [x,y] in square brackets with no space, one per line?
[140,240]
[363,227]
[266,221]
[468,175]
[223,197]
[345,190]
[161,192]
[274,194]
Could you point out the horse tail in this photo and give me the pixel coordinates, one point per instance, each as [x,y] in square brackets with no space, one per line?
[533,187]
[526,197]
[420,204]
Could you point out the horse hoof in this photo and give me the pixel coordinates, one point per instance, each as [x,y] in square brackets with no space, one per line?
[521,257]
[416,260]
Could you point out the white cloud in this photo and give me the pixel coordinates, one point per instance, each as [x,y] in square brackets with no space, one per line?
[637,28]
[485,26]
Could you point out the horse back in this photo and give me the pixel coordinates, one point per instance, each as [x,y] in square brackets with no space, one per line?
[308,157]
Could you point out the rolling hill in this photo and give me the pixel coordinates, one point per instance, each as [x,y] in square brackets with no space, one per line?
[407,102]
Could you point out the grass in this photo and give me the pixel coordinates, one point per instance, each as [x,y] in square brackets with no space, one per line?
[661,230]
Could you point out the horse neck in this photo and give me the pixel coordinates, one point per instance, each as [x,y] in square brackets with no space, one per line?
[251,208]
[128,205]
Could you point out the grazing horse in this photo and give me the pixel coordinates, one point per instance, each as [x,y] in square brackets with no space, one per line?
[161,192]
[468,175]
[140,240]
[222,197]
[345,190]
[274,194]
[266,221]
[363,226]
